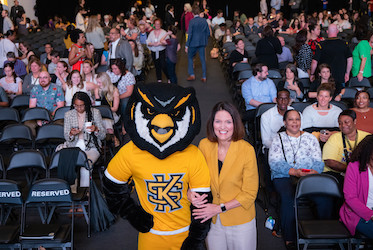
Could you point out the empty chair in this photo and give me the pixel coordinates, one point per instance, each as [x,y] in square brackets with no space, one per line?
[36,113]
[274,74]
[30,161]
[60,113]
[305,82]
[16,136]
[20,101]
[246,74]
[340,104]
[54,193]
[354,82]
[9,115]
[9,202]
[49,137]
[317,231]
[241,67]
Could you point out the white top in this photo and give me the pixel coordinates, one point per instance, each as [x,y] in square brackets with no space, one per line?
[71,91]
[113,48]
[270,123]
[13,87]
[6,46]
[370,191]
[149,10]
[153,38]
[311,117]
[126,80]
[79,20]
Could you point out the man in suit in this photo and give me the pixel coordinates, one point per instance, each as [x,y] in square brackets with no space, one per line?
[198,34]
[120,48]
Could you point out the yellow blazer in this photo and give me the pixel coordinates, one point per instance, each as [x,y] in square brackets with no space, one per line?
[238,180]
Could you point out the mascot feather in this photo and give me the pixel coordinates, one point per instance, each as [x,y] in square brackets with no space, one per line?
[162,120]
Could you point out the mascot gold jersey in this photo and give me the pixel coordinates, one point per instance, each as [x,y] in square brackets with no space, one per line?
[162,120]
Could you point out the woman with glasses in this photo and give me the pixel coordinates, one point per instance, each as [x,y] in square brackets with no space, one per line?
[83,128]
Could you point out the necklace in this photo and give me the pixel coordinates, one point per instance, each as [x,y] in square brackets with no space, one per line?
[292,148]
[349,144]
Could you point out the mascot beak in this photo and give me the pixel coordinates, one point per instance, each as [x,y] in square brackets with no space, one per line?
[162,127]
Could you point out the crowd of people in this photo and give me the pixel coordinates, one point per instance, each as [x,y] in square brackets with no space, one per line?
[107,56]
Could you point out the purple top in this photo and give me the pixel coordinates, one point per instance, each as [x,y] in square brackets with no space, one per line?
[19,67]
[355,189]
[171,49]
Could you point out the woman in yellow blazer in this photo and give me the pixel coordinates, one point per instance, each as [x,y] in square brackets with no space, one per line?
[234,182]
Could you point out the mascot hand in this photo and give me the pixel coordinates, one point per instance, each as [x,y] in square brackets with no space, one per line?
[137,216]
[193,244]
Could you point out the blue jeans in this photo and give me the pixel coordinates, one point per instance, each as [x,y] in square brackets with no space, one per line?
[191,53]
[366,228]
[285,188]
[171,71]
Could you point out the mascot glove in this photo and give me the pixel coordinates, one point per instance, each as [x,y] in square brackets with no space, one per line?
[137,216]
[193,244]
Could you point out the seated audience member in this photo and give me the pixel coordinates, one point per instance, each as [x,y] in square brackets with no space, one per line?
[285,57]
[294,27]
[239,55]
[282,27]
[32,78]
[257,89]
[322,114]
[26,52]
[45,58]
[227,36]
[75,84]
[291,83]
[61,73]
[341,23]
[356,212]
[19,66]
[237,28]
[45,95]
[324,76]
[55,58]
[4,101]
[220,32]
[272,120]
[78,134]
[107,94]
[250,28]
[219,19]
[290,153]
[10,82]
[261,27]
[364,113]
[337,150]
[88,72]
[267,49]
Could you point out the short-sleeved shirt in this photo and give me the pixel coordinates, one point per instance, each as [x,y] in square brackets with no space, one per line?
[47,98]
[122,82]
[362,50]
[162,185]
[13,87]
[334,52]
[333,148]
[264,91]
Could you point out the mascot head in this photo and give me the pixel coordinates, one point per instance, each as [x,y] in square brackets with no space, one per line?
[162,118]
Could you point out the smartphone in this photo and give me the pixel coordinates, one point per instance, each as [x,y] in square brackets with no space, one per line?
[306,170]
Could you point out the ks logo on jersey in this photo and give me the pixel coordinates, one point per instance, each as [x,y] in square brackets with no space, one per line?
[163,193]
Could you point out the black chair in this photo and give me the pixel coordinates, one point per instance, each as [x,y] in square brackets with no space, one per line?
[274,74]
[49,137]
[245,74]
[305,82]
[20,101]
[9,115]
[370,91]
[60,113]
[2,167]
[354,82]
[48,235]
[30,162]
[350,93]
[241,67]
[80,198]
[258,113]
[315,231]
[36,113]
[300,106]
[9,232]
[340,104]
[15,137]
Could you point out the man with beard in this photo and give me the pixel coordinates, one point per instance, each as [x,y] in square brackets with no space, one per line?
[256,90]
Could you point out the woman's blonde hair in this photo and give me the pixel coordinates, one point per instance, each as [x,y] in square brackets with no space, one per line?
[188,7]
[69,81]
[107,88]
[92,24]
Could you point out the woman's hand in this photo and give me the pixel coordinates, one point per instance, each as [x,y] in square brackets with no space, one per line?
[92,128]
[206,212]
[74,131]
[196,199]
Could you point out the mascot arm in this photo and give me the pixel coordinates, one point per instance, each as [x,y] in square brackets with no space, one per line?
[197,230]
[120,202]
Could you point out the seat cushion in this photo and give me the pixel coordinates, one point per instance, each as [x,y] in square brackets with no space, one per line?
[8,233]
[323,229]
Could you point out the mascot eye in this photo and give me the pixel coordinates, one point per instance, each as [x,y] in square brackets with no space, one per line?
[149,111]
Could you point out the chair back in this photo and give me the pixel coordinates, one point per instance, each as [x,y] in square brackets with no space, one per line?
[300,106]
[16,131]
[340,104]
[245,74]
[10,193]
[36,113]
[354,82]
[349,93]
[318,184]
[49,190]
[241,67]
[60,113]
[82,160]
[27,158]
[105,111]
[50,132]
[274,74]
[20,101]
[305,82]
[9,114]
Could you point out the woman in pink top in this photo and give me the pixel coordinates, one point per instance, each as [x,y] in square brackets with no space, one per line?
[356,212]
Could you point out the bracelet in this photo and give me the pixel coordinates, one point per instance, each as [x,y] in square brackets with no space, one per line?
[361,71]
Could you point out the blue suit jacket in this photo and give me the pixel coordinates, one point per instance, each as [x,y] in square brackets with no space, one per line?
[198,32]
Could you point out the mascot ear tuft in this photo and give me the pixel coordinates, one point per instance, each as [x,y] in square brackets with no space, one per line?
[162,118]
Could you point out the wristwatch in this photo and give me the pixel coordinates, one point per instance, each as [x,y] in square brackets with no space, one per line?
[223,208]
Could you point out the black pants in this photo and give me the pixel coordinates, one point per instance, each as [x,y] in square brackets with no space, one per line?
[160,64]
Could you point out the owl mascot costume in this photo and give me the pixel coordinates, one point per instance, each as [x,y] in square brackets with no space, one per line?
[162,120]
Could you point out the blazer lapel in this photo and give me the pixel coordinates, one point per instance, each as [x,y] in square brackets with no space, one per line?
[228,161]
[215,167]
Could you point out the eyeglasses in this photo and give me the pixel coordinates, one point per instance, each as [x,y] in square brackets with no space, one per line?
[79,106]
[43,77]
